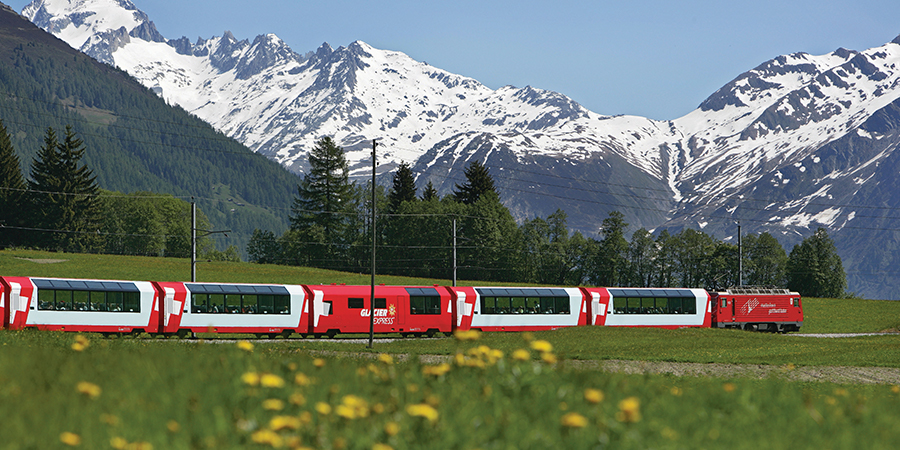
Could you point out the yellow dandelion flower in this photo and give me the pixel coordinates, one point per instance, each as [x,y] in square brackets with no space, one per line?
[423,410]
[319,362]
[729,387]
[323,408]
[548,358]
[895,389]
[297,399]
[542,346]
[385,358]
[629,410]
[279,423]
[521,355]
[70,439]
[266,436]
[302,380]
[593,395]
[271,380]
[305,417]
[467,335]
[109,419]
[173,426]
[251,378]
[78,347]
[841,392]
[676,391]
[573,420]
[528,336]
[89,389]
[380,446]
[831,400]
[118,443]
[140,446]
[391,428]
[437,370]
[245,345]
[273,404]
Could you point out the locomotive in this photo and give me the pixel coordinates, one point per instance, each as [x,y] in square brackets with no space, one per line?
[269,310]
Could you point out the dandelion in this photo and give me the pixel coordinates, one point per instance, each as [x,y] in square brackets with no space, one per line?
[302,380]
[279,423]
[549,358]
[573,420]
[273,404]
[270,380]
[895,389]
[80,343]
[468,335]
[251,378]
[323,408]
[297,399]
[173,426]
[391,428]
[385,358]
[109,419]
[70,439]
[245,345]
[319,362]
[266,436]
[352,407]
[729,387]
[542,346]
[593,395]
[521,355]
[140,446]
[676,391]
[629,410]
[437,370]
[380,446]
[89,389]
[841,392]
[423,410]
[118,443]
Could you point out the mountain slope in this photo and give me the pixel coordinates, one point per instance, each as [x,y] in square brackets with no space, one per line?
[798,142]
[134,140]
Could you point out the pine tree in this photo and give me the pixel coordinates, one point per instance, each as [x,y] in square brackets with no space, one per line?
[319,214]
[64,196]
[12,189]
[404,189]
[429,193]
[478,183]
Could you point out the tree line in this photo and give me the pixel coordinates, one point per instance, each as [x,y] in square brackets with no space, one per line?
[414,232]
[60,207]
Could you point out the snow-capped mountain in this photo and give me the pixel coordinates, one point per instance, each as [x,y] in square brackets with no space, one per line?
[800,141]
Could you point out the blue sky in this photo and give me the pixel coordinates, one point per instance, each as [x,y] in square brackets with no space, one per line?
[657,59]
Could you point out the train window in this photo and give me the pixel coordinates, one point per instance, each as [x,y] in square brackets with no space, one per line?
[690,305]
[216,303]
[518,305]
[355,303]
[532,304]
[115,301]
[380,303]
[199,303]
[489,305]
[562,305]
[80,300]
[46,299]
[724,302]
[132,301]
[424,304]
[97,301]
[282,303]
[232,303]
[259,304]
[620,305]
[326,308]
[796,302]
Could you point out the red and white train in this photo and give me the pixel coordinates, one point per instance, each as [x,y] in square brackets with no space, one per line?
[182,308]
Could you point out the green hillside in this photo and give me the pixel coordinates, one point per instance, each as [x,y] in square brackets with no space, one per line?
[134,140]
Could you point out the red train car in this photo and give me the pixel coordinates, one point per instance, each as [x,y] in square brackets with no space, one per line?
[261,309]
[649,307]
[104,306]
[758,308]
[398,309]
[518,309]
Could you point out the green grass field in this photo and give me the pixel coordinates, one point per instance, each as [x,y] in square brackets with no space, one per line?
[496,392]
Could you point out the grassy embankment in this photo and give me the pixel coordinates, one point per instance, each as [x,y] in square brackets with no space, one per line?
[126,393]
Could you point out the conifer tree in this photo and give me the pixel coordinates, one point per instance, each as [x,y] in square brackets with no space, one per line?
[815,269]
[429,193]
[64,197]
[478,183]
[12,188]
[404,189]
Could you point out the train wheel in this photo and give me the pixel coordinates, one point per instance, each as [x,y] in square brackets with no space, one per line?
[185,334]
[318,335]
[332,333]
[431,333]
[286,333]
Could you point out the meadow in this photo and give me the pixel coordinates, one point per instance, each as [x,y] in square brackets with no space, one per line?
[494,390]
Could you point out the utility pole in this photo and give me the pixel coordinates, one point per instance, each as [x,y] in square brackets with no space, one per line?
[454,252]
[740,257]
[372,298]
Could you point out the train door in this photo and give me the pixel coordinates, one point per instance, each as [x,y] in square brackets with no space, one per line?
[724,311]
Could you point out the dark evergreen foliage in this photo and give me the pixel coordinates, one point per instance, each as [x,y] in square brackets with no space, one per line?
[429,193]
[478,183]
[814,268]
[12,189]
[404,189]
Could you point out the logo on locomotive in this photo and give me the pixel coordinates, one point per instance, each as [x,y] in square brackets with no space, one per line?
[382,316]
